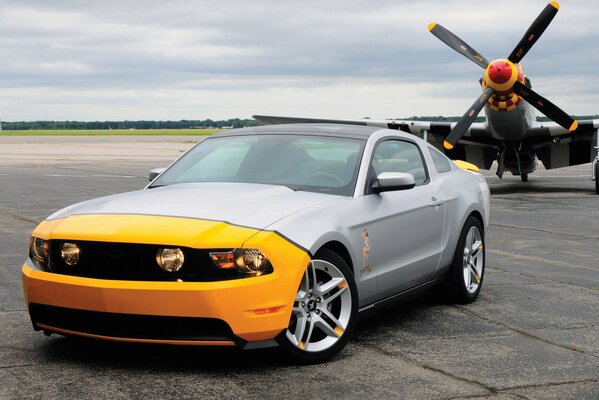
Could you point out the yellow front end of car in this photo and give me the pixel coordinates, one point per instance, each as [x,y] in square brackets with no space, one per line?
[255,307]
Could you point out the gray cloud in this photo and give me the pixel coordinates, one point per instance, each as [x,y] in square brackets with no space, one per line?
[199,59]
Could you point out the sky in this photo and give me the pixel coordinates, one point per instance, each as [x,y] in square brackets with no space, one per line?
[172,60]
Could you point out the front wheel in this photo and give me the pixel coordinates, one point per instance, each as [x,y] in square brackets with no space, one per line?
[465,276]
[324,311]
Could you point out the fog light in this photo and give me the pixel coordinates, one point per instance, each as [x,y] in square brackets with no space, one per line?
[170,260]
[69,253]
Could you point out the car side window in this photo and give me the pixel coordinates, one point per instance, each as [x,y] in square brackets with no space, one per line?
[442,163]
[399,156]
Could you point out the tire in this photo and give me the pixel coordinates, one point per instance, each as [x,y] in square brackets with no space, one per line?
[597,177]
[324,311]
[465,276]
[524,177]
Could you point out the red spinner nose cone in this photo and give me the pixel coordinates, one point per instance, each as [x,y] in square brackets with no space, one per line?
[500,72]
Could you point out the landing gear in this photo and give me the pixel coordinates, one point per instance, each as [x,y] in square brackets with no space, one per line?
[524,177]
[597,177]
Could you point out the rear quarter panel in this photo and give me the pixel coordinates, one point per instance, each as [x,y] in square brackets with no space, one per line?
[465,193]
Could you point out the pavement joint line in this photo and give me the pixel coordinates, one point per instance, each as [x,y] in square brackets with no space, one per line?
[430,368]
[539,259]
[524,333]
[544,278]
[544,231]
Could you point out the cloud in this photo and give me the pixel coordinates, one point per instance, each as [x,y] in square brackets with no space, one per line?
[181,59]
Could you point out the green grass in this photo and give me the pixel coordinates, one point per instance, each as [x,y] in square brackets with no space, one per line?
[114,132]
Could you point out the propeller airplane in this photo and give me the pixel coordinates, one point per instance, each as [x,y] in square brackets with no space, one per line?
[511,134]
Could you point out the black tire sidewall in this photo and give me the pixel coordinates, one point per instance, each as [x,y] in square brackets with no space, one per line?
[303,357]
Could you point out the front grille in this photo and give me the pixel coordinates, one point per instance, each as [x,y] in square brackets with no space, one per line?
[131,326]
[128,261]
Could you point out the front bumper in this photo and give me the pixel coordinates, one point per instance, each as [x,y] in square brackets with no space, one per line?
[250,309]
[202,313]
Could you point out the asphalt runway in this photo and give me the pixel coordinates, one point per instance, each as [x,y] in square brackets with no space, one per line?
[532,334]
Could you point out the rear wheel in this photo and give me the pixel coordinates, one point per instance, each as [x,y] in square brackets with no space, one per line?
[324,311]
[465,276]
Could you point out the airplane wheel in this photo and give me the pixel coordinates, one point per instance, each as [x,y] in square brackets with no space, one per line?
[524,177]
[597,178]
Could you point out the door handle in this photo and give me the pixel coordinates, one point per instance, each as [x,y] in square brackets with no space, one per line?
[436,203]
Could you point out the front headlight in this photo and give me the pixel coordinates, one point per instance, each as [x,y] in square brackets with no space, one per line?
[39,250]
[247,261]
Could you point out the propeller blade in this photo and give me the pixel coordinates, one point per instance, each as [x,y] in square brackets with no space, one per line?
[534,32]
[545,106]
[467,119]
[457,44]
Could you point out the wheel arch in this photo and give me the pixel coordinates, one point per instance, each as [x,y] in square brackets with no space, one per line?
[341,250]
[476,214]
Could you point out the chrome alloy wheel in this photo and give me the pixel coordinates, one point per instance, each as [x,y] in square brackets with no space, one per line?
[473,260]
[322,308]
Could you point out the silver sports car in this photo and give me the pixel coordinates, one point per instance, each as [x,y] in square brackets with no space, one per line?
[275,235]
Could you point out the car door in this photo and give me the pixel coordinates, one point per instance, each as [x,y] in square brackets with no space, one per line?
[405,226]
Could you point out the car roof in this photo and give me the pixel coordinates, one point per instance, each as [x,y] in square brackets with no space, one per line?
[338,130]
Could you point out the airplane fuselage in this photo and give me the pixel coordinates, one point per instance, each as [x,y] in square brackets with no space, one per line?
[510,125]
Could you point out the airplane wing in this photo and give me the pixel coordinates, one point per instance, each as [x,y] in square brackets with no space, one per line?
[556,147]
[477,146]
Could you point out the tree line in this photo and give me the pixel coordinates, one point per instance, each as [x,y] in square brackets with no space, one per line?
[101,125]
[191,124]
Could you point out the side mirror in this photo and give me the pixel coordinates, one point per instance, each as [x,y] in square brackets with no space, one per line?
[154,173]
[388,181]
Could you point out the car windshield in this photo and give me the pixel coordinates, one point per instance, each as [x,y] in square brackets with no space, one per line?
[300,162]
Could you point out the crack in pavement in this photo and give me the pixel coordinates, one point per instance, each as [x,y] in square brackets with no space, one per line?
[17,216]
[427,367]
[549,384]
[94,171]
[77,186]
[55,175]
[545,279]
[525,333]
[545,231]
[539,259]
[519,387]
[8,367]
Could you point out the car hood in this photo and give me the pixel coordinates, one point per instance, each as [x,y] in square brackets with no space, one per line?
[250,205]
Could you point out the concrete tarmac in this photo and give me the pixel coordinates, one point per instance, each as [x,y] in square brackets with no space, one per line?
[532,334]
